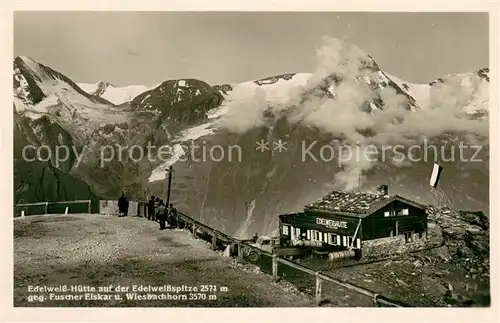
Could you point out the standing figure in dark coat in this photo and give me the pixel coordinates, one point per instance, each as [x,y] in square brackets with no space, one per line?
[123,205]
[156,205]
[151,208]
[161,214]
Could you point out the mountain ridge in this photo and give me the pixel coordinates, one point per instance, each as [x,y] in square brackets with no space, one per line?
[347,101]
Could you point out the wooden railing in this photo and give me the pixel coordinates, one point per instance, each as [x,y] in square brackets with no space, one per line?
[46,204]
[216,235]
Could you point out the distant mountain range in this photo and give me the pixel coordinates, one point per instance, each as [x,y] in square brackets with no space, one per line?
[352,101]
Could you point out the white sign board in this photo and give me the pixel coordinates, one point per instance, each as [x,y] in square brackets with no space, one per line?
[332,224]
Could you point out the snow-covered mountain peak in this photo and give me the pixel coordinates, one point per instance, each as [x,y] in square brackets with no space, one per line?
[471,89]
[112,93]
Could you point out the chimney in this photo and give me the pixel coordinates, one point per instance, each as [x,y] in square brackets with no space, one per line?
[383,189]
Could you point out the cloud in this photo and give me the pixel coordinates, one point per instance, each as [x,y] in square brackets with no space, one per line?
[245,115]
[350,73]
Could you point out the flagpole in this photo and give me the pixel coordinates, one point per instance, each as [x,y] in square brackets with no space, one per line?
[170,171]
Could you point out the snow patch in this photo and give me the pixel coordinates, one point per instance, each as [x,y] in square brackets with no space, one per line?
[420,92]
[276,93]
[145,98]
[33,66]
[38,110]
[89,88]
[196,132]
[160,172]
[116,94]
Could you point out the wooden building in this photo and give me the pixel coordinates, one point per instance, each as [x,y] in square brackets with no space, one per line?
[343,220]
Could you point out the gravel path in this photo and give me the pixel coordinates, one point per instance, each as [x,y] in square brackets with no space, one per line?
[107,251]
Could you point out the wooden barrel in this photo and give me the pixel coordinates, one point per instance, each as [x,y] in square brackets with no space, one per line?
[307,243]
[342,255]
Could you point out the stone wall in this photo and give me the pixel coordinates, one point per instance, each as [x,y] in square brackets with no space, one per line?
[111,208]
[392,246]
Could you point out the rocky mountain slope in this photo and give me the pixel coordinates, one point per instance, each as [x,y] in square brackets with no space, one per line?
[209,133]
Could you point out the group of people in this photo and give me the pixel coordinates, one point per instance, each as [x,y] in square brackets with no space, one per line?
[161,213]
[156,211]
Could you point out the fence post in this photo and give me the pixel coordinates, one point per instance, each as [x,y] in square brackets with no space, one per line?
[194,230]
[240,251]
[318,288]
[275,268]
[46,208]
[375,301]
[90,207]
[214,240]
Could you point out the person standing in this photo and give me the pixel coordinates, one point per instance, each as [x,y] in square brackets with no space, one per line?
[123,205]
[162,214]
[151,207]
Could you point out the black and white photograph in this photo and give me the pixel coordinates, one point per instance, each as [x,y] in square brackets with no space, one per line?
[229,159]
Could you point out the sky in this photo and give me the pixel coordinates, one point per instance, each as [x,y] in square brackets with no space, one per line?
[147,48]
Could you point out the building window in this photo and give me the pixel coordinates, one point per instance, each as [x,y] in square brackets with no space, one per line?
[285,230]
[325,237]
[297,233]
[390,213]
[308,234]
[406,212]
